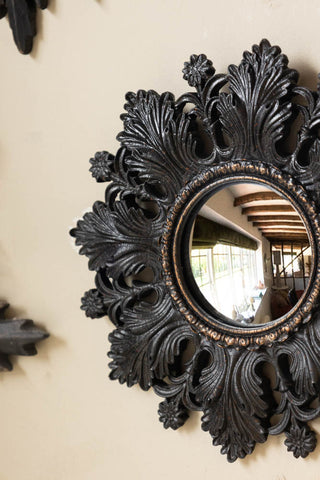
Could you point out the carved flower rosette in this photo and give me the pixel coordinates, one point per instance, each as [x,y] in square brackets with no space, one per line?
[173,151]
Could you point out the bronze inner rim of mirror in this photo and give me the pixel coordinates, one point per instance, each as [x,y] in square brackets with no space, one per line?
[176,263]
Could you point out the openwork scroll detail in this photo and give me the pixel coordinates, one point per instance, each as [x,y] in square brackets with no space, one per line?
[167,155]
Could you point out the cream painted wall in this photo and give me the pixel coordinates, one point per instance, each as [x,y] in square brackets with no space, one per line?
[61,418]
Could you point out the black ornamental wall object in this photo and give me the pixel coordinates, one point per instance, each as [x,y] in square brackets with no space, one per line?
[167,336]
[17,337]
[22,16]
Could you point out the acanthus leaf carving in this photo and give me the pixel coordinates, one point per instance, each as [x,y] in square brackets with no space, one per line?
[144,347]
[122,236]
[253,115]
[305,159]
[163,150]
[117,295]
[236,406]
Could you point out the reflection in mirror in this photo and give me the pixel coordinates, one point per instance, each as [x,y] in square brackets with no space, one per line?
[250,253]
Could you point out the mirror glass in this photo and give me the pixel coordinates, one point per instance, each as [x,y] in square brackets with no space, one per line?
[250,253]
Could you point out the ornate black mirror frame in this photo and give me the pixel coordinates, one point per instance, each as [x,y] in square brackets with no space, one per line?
[22,16]
[170,159]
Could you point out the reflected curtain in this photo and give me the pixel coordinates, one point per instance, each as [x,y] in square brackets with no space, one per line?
[208,233]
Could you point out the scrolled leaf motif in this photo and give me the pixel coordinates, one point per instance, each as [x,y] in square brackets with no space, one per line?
[255,113]
[122,240]
[180,390]
[122,183]
[303,353]
[117,296]
[162,146]
[205,99]
[180,387]
[145,346]
[232,393]
[300,385]
[106,167]
[305,159]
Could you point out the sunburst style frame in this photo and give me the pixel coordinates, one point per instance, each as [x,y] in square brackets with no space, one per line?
[171,158]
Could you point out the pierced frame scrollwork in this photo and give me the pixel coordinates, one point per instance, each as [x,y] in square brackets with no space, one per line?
[168,159]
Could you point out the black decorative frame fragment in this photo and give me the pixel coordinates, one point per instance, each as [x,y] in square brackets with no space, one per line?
[170,158]
[17,337]
[22,16]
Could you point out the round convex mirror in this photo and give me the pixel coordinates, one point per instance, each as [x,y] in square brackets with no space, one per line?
[250,253]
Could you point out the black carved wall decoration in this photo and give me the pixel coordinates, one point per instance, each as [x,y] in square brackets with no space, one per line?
[169,156]
[17,337]
[22,16]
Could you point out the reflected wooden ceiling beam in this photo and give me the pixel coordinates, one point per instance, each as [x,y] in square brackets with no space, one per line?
[295,242]
[272,218]
[277,223]
[283,232]
[256,197]
[288,236]
[280,228]
[267,209]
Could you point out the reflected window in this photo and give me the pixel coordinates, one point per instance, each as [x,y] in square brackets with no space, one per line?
[200,261]
[224,268]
